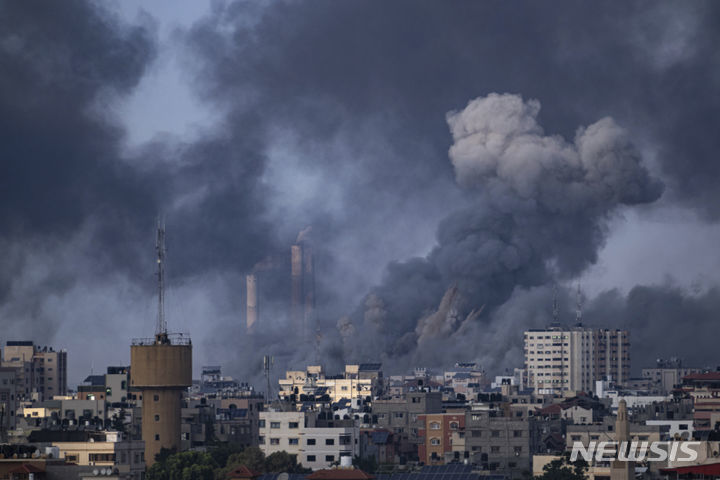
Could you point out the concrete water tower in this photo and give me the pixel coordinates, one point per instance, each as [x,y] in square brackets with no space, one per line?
[161,368]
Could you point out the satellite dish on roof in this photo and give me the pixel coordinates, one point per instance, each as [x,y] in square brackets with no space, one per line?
[283,476]
[96,472]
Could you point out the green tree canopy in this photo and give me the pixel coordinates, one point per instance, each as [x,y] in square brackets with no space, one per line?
[183,466]
[279,462]
[563,469]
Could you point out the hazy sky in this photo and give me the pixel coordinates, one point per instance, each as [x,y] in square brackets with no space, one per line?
[378,124]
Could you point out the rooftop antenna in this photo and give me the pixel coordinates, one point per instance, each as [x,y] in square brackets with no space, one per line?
[267,366]
[555,304]
[161,326]
[578,312]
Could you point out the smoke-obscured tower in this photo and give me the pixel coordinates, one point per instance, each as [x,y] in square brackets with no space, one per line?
[161,368]
[302,295]
[251,302]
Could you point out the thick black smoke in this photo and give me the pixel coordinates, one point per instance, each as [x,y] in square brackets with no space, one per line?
[539,217]
[336,118]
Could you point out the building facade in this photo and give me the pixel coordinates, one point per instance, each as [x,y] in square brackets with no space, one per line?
[42,371]
[561,359]
[298,434]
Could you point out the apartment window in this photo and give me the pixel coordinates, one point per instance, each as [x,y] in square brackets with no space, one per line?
[310,458]
[274,441]
[293,425]
[476,433]
[274,424]
[495,449]
[71,458]
[293,441]
[517,450]
[329,458]
[329,441]
[157,418]
[575,438]
[261,440]
[454,425]
[434,426]
[310,441]
[261,423]
[157,437]
[494,433]
[434,441]
[102,457]
[156,398]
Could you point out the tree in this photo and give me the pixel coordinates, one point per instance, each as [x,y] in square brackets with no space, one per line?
[279,462]
[221,451]
[564,469]
[183,466]
[252,457]
[368,465]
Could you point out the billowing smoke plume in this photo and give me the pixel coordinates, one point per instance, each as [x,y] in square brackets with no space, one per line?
[538,216]
[343,129]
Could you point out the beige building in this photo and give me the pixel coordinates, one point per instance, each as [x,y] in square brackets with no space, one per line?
[561,360]
[108,450]
[358,381]
[315,447]
[42,371]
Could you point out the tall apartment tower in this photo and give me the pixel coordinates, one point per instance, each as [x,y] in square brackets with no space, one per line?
[562,359]
[42,371]
[161,368]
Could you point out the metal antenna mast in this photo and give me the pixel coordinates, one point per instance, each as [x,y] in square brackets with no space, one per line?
[555,304]
[161,327]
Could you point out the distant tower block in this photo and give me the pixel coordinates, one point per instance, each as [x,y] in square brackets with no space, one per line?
[161,368]
[296,303]
[251,302]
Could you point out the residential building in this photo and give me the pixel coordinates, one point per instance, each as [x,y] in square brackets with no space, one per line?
[497,442]
[401,415]
[8,400]
[302,435]
[667,374]
[562,359]
[435,435]
[98,449]
[42,371]
[358,381]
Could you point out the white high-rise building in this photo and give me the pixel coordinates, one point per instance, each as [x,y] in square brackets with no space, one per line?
[562,359]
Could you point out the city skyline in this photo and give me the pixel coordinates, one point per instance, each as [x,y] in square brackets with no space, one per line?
[456,163]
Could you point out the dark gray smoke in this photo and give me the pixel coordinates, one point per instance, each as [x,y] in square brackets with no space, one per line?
[335,117]
[539,216]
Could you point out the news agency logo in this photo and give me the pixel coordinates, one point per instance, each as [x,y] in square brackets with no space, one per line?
[636,451]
